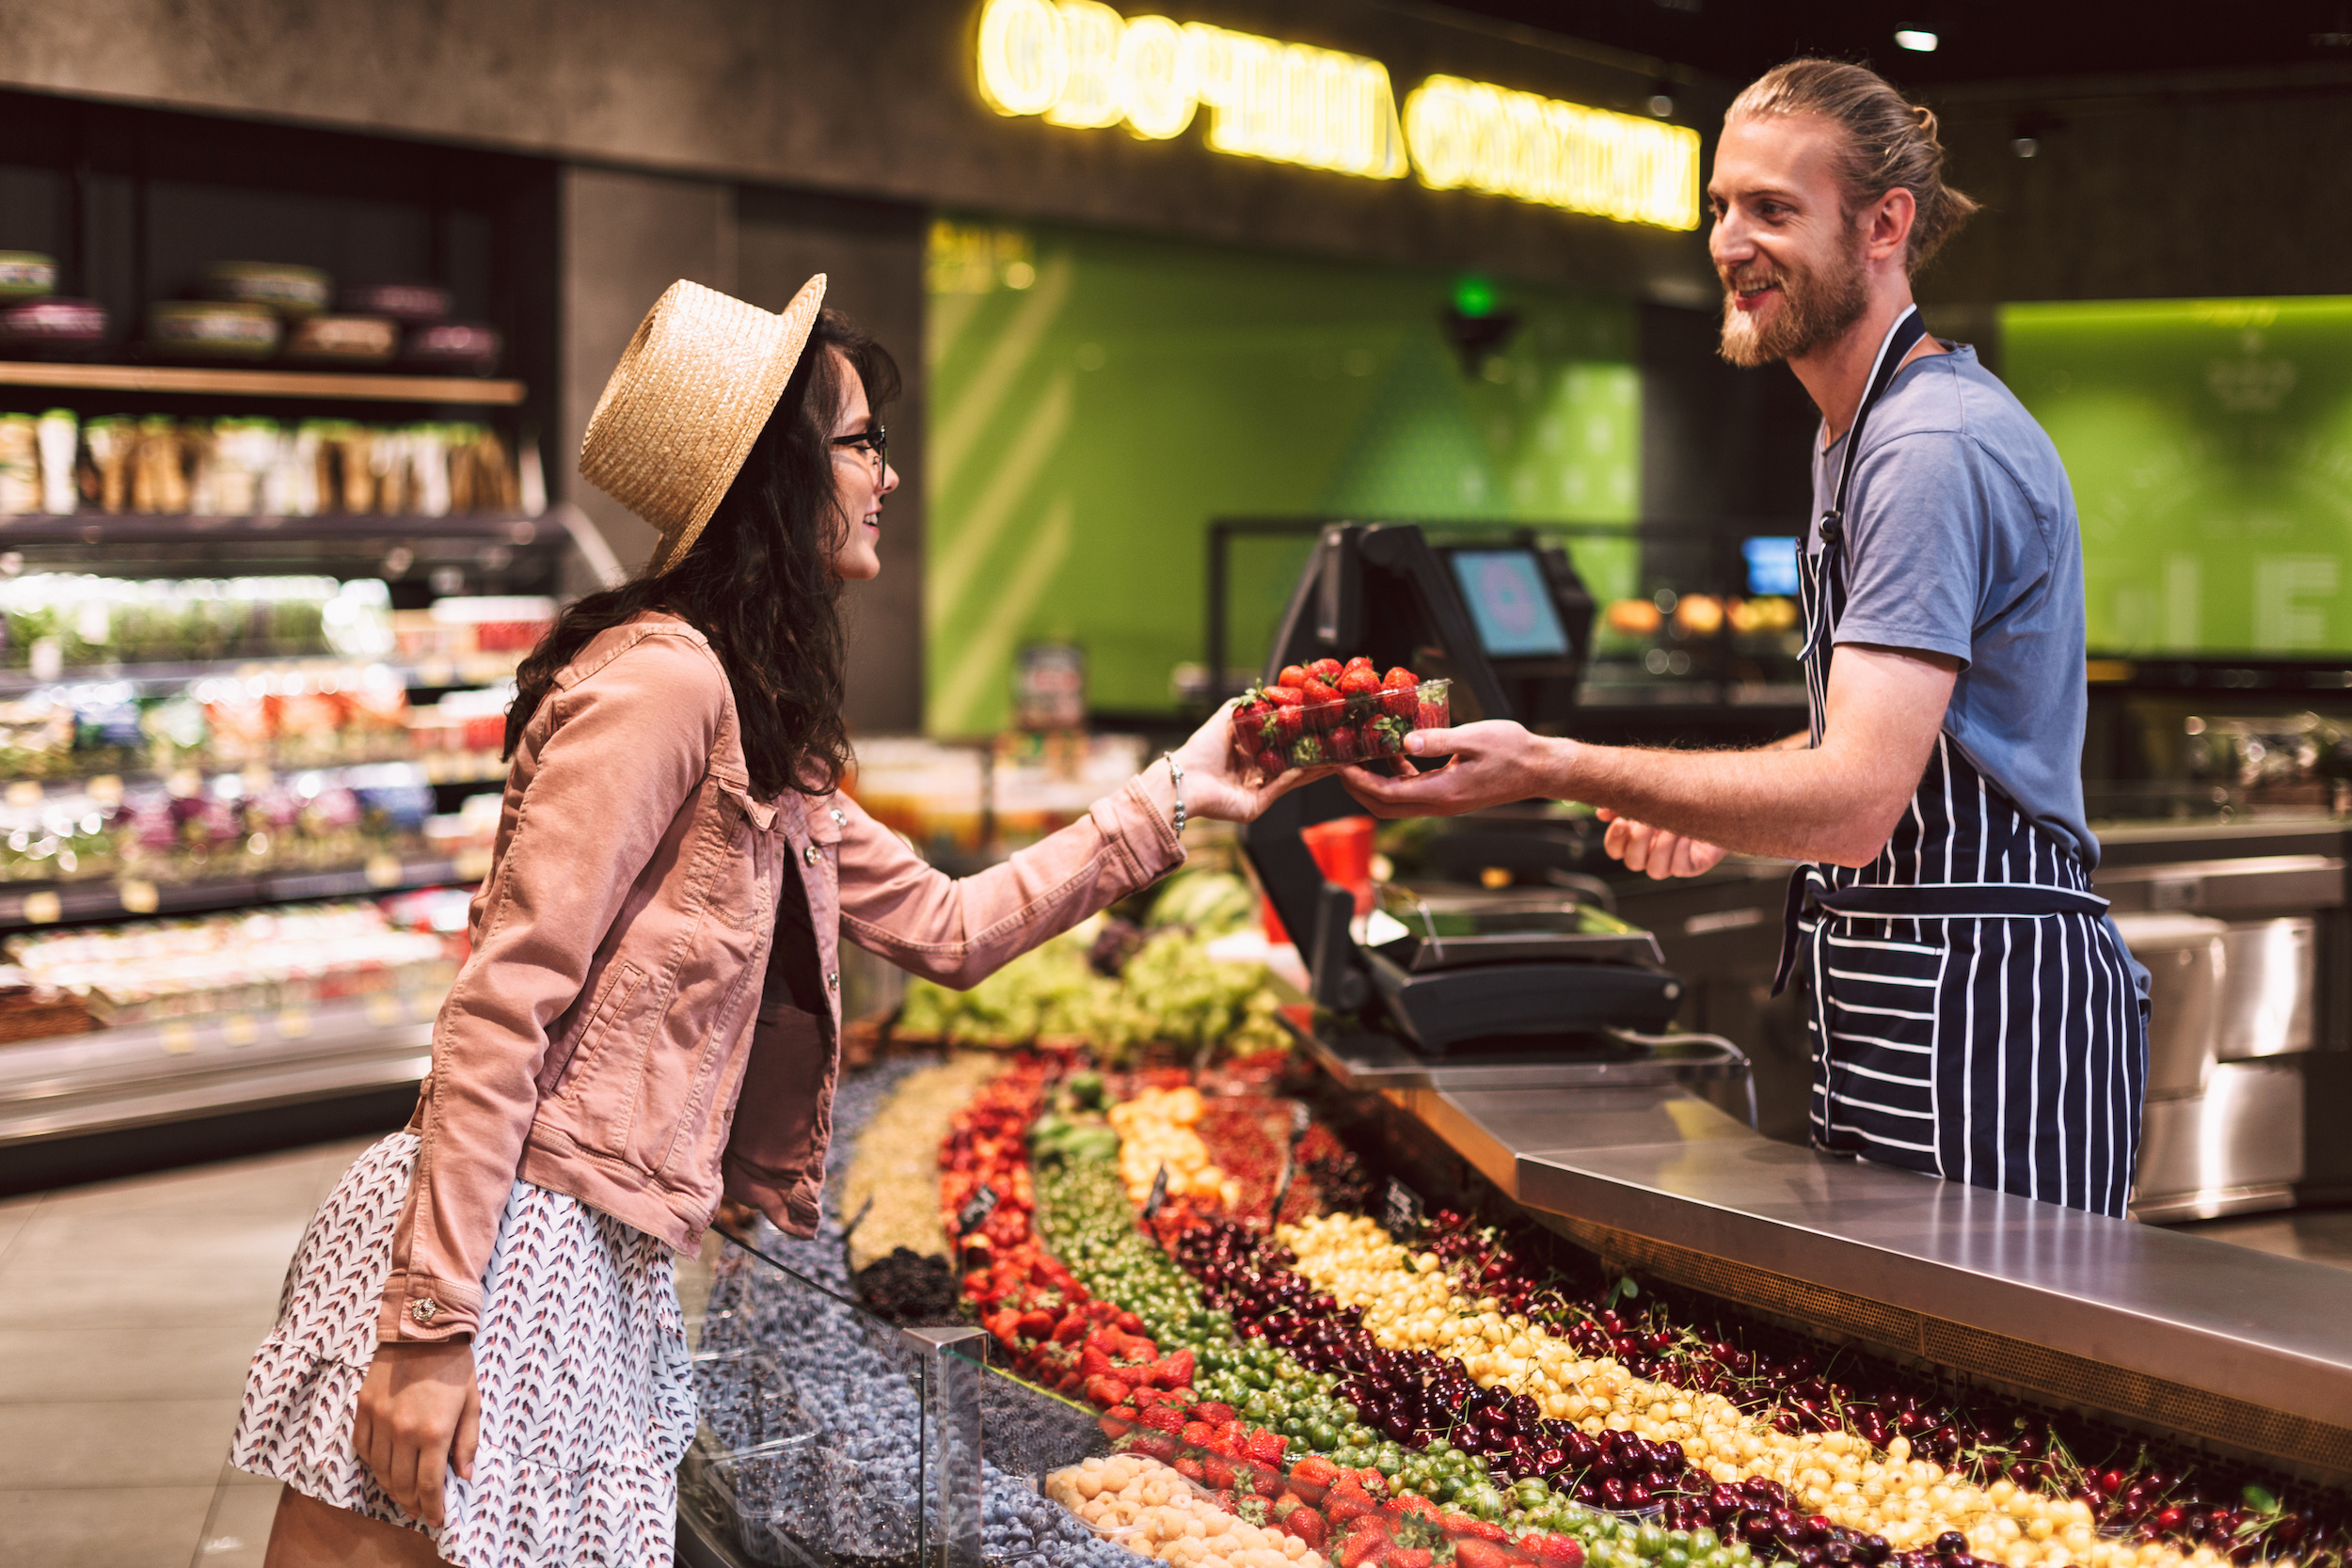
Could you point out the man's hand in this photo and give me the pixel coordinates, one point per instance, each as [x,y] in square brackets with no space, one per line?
[420,1416]
[1656,851]
[1494,763]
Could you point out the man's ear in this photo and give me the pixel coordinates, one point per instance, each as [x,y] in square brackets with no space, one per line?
[1888,232]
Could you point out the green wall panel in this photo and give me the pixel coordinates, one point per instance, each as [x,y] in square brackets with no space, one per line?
[1096,400]
[2210,447]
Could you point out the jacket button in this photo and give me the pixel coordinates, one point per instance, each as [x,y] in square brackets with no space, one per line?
[809,854]
[424,1310]
[832,980]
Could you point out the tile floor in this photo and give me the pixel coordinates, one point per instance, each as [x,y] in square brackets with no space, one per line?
[128,1310]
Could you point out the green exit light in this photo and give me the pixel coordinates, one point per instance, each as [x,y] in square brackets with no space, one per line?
[1474,297]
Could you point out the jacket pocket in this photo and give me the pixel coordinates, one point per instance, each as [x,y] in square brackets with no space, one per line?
[587,1081]
[742,886]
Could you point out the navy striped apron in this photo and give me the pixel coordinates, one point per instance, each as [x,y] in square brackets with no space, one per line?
[1968,1011]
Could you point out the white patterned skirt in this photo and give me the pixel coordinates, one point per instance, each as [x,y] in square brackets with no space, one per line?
[587,1393]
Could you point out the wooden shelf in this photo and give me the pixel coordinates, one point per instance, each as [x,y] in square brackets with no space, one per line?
[262,384]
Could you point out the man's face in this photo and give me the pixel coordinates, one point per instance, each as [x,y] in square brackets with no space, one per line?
[1789,255]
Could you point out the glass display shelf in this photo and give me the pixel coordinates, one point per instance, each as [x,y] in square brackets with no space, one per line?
[239,382]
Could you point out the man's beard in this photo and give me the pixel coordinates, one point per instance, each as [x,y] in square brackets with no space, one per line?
[1814,307]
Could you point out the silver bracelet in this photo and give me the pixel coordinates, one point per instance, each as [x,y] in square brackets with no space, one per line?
[1176,772]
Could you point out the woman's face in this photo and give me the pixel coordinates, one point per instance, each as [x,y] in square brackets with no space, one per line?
[861,477]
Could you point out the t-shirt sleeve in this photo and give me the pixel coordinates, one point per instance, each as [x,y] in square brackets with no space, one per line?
[1916,546]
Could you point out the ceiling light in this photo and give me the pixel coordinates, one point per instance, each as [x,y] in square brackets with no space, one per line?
[1915,41]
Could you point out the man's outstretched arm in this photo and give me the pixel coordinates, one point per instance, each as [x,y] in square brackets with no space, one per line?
[1836,803]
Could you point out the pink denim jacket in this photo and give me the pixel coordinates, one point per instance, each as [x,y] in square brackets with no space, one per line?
[608,1037]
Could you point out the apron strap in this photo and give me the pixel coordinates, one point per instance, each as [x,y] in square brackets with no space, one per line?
[1900,339]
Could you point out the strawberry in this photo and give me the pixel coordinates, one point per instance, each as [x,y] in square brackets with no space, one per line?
[1215,1415]
[1176,1370]
[1322,703]
[1326,668]
[1220,1472]
[1363,682]
[1314,1470]
[1407,1557]
[1345,745]
[1292,675]
[1227,1441]
[1431,716]
[1106,1390]
[1072,1329]
[1181,1397]
[1556,1551]
[1397,692]
[1266,1447]
[1095,1362]
[1248,1508]
[1385,737]
[1270,761]
[1472,1552]
[1364,1546]
[1161,1418]
[1309,1526]
[1284,1506]
[1307,752]
[1289,717]
[1036,1325]
[1197,1432]
[1126,1413]
[1347,1500]
[1360,662]
[1190,1469]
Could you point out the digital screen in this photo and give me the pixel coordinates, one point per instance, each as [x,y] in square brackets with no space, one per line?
[1772,564]
[1510,604]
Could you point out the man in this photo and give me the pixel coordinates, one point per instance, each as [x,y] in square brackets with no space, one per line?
[1973,1014]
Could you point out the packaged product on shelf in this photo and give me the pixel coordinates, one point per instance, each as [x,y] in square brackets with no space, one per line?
[19,466]
[65,838]
[298,953]
[58,438]
[36,739]
[87,622]
[30,1010]
[465,835]
[495,624]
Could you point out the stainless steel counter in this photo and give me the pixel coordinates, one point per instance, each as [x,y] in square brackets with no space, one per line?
[2246,1350]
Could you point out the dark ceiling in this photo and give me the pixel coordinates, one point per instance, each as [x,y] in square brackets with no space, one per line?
[1976,41]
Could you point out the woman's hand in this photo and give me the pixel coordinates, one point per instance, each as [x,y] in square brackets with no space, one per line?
[1213,774]
[1655,850]
[420,1417]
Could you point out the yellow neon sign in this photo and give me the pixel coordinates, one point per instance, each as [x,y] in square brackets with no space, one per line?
[1079,63]
[1488,138]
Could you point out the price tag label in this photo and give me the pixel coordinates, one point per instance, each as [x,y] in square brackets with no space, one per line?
[1159,1195]
[976,1210]
[1401,1212]
[138,898]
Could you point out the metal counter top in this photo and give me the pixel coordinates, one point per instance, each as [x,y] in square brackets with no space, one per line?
[2246,1348]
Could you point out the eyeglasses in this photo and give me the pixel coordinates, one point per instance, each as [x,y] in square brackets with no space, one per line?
[876,441]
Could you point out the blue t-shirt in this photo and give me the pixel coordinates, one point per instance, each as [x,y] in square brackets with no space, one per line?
[1960,539]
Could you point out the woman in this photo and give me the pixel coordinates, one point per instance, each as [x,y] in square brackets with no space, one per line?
[480,1353]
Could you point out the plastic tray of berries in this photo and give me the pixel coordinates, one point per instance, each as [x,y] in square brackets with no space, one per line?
[1333,712]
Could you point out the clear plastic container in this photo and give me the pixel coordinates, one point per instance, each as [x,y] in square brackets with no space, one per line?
[1361,729]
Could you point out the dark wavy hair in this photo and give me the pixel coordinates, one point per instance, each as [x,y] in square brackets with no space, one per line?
[759,582]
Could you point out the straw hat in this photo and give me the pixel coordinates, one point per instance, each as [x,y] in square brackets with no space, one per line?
[690,395]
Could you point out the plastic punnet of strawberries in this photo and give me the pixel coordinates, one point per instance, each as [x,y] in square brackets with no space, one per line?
[1329,712]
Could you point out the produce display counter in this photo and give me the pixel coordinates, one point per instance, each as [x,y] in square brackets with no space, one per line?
[2245,1350]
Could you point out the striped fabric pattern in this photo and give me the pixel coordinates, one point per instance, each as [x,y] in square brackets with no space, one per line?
[2004,1051]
